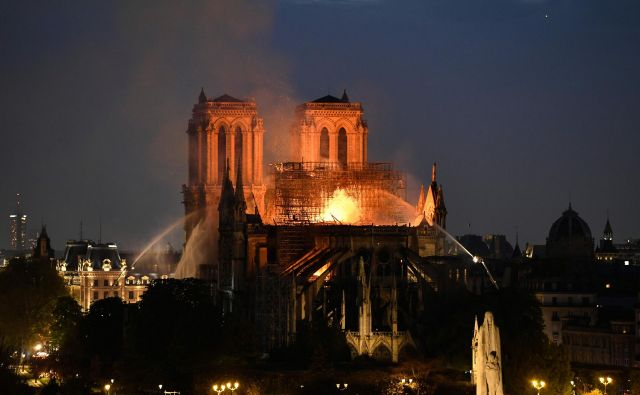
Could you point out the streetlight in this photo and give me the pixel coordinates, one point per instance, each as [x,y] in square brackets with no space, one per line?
[233,387]
[342,387]
[220,388]
[573,387]
[538,385]
[405,381]
[605,381]
[107,387]
[159,388]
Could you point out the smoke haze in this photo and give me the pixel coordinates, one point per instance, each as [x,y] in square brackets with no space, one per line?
[520,111]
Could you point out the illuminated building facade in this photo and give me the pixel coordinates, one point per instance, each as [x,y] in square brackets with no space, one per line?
[330,129]
[336,236]
[94,271]
[18,228]
[222,131]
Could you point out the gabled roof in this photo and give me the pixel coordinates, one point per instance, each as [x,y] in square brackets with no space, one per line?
[226,99]
[328,99]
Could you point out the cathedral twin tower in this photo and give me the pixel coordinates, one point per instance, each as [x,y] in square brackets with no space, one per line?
[226,131]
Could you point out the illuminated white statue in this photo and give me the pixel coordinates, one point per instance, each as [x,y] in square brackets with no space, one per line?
[487,358]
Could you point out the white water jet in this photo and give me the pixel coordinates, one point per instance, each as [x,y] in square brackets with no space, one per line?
[475,258]
[156,239]
[201,248]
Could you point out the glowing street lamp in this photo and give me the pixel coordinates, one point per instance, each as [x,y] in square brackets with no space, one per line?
[219,389]
[107,387]
[605,381]
[342,387]
[233,387]
[405,381]
[38,347]
[538,385]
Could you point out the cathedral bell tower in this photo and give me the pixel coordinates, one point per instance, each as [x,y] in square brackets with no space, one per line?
[330,129]
[222,130]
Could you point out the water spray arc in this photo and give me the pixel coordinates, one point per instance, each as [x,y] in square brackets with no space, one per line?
[159,237]
[475,258]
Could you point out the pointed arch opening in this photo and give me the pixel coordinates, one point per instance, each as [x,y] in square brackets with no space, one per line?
[222,152]
[238,149]
[324,144]
[342,147]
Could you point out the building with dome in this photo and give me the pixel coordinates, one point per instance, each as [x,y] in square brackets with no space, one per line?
[570,238]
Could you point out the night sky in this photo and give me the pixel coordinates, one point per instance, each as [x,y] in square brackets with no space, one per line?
[525,105]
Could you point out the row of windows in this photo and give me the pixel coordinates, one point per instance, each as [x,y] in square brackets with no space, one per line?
[587,341]
[555,316]
[116,294]
[585,301]
[106,283]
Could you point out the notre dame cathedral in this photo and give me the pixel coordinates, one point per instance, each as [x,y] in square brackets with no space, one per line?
[285,254]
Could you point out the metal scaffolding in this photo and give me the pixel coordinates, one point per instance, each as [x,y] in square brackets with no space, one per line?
[302,190]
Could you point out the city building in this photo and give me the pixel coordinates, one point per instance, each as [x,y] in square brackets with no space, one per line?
[94,271]
[612,345]
[570,238]
[18,228]
[606,251]
[560,308]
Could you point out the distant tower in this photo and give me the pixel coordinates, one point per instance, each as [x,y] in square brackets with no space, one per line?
[330,129]
[221,130]
[43,248]
[18,228]
[432,203]
[606,251]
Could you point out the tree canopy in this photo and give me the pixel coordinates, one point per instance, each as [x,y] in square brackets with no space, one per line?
[28,291]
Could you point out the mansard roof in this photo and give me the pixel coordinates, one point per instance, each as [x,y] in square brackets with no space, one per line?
[98,253]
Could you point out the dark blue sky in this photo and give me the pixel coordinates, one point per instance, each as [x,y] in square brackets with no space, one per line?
[523,104]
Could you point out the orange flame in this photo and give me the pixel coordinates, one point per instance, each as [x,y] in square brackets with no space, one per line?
[342,207]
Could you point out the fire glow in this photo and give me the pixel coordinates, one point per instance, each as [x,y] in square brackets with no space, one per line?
[342,207]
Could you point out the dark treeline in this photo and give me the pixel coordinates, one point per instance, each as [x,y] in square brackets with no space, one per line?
[179,337]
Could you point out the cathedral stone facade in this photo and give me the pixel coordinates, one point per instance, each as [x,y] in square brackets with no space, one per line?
[330,129]
[285,272]
[222,130]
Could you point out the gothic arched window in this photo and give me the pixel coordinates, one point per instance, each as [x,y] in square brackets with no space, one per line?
[238,147]
[222,151]
[324,144]
[342,146]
